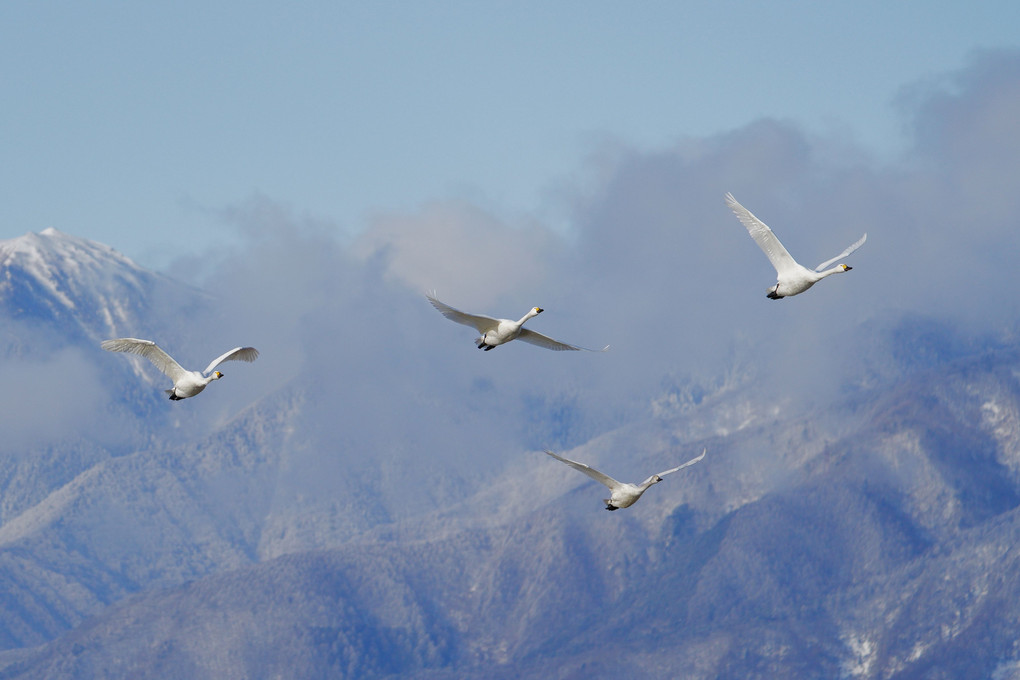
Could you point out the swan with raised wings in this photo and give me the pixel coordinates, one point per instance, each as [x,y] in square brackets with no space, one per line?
[791,278]
[186,383]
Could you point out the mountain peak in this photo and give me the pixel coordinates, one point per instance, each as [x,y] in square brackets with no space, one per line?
[55,277]
[51,248]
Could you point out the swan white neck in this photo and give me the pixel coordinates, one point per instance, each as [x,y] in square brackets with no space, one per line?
[530,315]
[838,269]
[654,479]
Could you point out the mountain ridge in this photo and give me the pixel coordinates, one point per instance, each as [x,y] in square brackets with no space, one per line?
[820,537]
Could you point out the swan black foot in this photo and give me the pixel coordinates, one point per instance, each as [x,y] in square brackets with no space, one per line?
[174,397]
[610,508]
[773,295]
[488,347]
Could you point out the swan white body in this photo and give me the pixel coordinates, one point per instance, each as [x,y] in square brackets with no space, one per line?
[495,332]
[622,494]
[791,277]
[186,383]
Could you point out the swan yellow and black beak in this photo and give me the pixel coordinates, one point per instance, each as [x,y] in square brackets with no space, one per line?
[846,267]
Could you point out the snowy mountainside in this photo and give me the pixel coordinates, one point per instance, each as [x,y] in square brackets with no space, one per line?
[60,295]
[144,493]
[86,289]
[869,538]
[818,538]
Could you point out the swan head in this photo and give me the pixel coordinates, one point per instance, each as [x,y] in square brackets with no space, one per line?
[845,267]
[537,310]
[216,375]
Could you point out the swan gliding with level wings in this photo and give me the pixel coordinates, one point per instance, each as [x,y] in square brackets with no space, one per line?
[623,495]
[499,331]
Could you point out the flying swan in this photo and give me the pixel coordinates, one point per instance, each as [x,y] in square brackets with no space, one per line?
[792,278]
[623,495]
[499,331]
[186,383]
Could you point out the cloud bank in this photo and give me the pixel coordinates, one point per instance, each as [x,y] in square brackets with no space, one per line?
[654,264]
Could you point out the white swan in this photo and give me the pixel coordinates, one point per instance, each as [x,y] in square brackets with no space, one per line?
[186,383]
[623,495]
[499,331]
[792,278]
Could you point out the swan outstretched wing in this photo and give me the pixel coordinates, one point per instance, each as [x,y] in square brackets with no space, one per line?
[591,472]
[148,349]
[478,322]
[236,354]
[681,467]
[763,236]
[547,342]
[846,252]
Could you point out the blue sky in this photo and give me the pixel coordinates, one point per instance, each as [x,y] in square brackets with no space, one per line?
[139,124]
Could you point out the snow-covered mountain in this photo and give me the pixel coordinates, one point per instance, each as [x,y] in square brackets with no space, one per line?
[877,544]
[864,535]
[79,289]
[67,406]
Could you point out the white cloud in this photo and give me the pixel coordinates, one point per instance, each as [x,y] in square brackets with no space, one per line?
[464,253]
[47,400]
[658,267]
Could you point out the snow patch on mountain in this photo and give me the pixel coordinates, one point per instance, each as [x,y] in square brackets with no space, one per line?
[56,276]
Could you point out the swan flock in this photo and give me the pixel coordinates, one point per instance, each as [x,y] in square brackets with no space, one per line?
[791,279]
